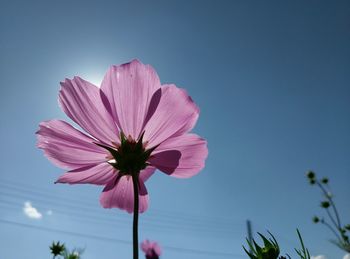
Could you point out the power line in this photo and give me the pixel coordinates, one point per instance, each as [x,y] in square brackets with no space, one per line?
[92,219]
[115,240]
[177,215]
[101,218]
[200,221]
[201,226]
[105,218]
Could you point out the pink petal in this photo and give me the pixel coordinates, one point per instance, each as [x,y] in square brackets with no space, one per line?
[119,193]
[182,156]
[147,173]
[100,174]
[157,249]
[127,91]
[175,115]
[67,147]
[151,248]
[81,101]
[146,245]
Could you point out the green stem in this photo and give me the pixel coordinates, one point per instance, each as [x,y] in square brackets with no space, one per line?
[338,226]
[135,181]
[330,227]
[330,216]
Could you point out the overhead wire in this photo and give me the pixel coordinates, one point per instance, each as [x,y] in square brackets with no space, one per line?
[83,200]
[115,240]
[197,224]
[146,223]
[108,223]
[84,213]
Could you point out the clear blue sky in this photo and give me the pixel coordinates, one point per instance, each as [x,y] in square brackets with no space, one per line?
[271,79]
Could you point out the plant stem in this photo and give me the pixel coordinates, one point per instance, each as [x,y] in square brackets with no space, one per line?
[135,180]
[330,227]
[338,226]
[330,216]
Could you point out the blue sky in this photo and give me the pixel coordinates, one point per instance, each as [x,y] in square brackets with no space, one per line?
[271,79]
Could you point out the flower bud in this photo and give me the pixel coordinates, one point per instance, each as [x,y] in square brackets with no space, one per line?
[311,175]
[325,204]
[315,219]
[324,180]
[329,195]
[57,248]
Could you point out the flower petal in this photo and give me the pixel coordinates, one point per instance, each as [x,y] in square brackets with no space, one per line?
[175,115]
[189,159]
[67,147]
[145,174]
[81,101]
[100,174]
[151,248]
[119,193]
[126,92]
[146,245]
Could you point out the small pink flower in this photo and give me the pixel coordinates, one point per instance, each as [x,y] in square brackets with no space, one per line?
[132,124]
[151,249]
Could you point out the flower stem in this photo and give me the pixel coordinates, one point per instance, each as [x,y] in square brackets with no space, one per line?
[329,198]
[330,227]
[135,181]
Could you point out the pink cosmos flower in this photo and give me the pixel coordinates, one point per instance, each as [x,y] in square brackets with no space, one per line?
[132,123]
[151,249]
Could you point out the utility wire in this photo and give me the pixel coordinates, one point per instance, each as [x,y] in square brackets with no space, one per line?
[89,209]
[105,222]
[218,219]
[200,221]
[121,241]
[86,214]
[101,217]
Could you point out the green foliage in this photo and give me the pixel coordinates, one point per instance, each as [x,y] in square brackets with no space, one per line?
[304,252]
[340,231]
[270,250]
[58,249]
[75,254]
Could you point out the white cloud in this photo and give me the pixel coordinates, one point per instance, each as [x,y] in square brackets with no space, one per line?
[347,256]
[30,211]
[49,212]
[319,257]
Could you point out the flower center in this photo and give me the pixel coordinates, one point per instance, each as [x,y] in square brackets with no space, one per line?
[130,156]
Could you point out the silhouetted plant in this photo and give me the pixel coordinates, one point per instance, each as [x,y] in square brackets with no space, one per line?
[304,252]
[341,232]
[271,249]
[58,249]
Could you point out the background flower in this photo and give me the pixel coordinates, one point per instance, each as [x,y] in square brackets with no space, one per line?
[152,250]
